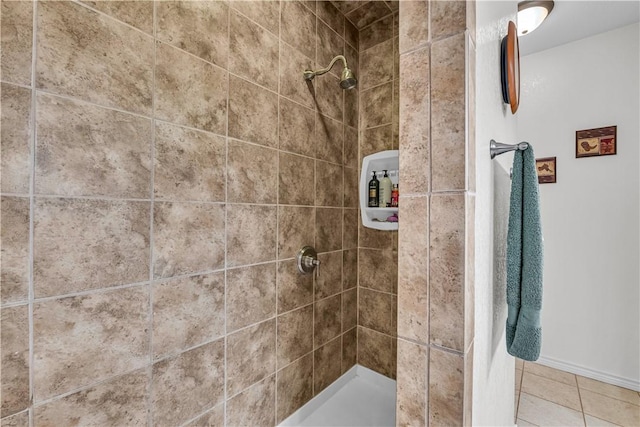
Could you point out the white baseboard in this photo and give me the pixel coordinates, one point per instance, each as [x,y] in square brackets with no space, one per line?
[589,373]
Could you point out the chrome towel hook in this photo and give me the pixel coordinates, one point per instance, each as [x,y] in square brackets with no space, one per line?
[497,148]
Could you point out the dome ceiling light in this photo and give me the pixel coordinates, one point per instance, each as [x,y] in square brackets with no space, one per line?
[531,14]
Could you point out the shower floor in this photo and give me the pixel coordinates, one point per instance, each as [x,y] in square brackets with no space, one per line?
[360,397]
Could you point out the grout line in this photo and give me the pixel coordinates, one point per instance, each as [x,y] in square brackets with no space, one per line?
[278,213]
[226,226]
[150,390]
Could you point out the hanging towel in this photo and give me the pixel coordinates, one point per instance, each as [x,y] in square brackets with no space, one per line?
[524,260]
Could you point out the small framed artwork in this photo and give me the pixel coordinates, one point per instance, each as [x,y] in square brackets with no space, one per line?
[596,142]
[546,168]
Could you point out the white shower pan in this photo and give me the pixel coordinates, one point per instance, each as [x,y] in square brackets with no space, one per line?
[360,397]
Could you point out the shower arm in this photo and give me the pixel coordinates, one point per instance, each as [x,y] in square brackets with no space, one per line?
[309,74]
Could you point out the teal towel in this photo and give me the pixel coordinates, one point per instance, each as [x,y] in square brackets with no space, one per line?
[524,260]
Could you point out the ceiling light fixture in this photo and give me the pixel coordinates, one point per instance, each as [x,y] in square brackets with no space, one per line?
[531,14]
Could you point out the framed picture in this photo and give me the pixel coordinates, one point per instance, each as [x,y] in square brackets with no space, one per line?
[596,142]
[546,168]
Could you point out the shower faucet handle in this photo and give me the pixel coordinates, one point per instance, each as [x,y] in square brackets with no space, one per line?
[308,260]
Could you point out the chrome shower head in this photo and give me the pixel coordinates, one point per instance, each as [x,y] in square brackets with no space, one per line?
[348,79]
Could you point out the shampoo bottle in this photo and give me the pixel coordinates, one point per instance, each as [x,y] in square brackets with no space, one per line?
[385,191]
[374,191]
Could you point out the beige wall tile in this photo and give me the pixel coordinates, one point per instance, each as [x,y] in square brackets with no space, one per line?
[446,386]
[296,180]
[296,128]
[252,174]
[329,43]
[251,234]
[349,269]
[411,403]
[187,312]
[200,28]
[188,238]
[413,283]
[295,335]
[294,289]
[253,113]
[186,385]
[375,351]
[20,419]
[251,356]
[72,135]
[446,271]
[330,281]
[16,134]
[347,6]
[414,130]
[14,259]
[296,227]
[194,94]
[189,164]
[349,349]
[327,320]
[330,15]
[350,228]
[414,24]
[295,386]
[378,269]
[377,65]
[17,42]
[329,96]
[256,406]
[104,242]
[212,418]
[329,185]
[119,401]
[349,309]
[292,63]
[15,359]
[367,13]
[374,140]
[298,27]
[253,52]
[138,13]
[469,280]
[329,139]
[376,33]
[251,295]
[264,12]
[375,311]
[351,104]
[328,229]
[370,238]
[448,113]
[327,365]
[78,341]
[447,18]
[84,54]
[351,33]
[376,106]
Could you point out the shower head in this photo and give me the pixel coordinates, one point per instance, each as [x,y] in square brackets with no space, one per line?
[347,80]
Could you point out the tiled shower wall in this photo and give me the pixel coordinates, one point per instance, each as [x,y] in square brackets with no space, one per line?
[162,162]
[378,250]
[437,158]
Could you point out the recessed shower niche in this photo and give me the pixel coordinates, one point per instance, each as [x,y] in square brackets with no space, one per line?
[378,217]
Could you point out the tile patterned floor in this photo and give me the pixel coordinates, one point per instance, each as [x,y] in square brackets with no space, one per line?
[549,397]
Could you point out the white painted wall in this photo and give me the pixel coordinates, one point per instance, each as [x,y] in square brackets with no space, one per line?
[493,367]
[591,304]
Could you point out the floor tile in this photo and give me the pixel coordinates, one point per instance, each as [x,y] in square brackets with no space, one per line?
[544,413]
[609,409]
[597,422]
[518,379]
[554,391]
[523,423]
[609,390]
[550,373]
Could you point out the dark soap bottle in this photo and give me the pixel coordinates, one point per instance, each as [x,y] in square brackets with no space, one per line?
[374,191]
